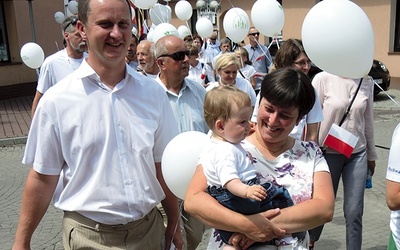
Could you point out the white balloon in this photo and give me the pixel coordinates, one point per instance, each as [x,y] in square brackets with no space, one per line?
[236,24]
[134,31]
[144,4]
[73,7]
[69,13]
[164,29]
[59,17]
[268,17]
[160,14]
[150,35]
[183,31]
[338,37]
[179,160]
[32,55]
[204,27]
[183,10]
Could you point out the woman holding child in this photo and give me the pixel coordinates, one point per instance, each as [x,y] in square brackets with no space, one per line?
[286,96]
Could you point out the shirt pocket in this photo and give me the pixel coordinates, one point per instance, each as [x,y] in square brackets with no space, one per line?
[143,131]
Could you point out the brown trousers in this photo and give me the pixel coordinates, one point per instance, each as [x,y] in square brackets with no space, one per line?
[80,232]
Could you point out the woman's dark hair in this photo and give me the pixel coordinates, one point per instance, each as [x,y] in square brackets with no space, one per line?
[288,87]
[288,53]
[196,36]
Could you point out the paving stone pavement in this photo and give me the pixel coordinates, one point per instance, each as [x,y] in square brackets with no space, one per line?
[376,213]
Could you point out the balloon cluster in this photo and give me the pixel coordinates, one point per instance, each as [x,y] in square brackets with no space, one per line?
[71,10]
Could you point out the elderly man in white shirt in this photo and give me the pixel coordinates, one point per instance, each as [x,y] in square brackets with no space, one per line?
[186,99]
[60,64]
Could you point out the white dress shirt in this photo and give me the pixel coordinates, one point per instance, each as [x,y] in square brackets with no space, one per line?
[105,142]
[187,106]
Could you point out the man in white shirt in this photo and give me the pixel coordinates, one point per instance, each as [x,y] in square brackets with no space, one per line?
[186,99]
[104,129]
[63,62]
[146,60]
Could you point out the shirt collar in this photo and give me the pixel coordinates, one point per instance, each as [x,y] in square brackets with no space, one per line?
[86,71]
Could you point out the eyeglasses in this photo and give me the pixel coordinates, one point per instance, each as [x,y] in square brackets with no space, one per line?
[303,63]
[72,22]
[254,34]
[177,56]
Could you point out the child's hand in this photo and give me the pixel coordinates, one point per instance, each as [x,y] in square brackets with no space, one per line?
[256,192]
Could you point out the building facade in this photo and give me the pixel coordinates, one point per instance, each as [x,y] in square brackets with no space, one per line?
[33,21]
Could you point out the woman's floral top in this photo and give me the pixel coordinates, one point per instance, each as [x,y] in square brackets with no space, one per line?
[293,169]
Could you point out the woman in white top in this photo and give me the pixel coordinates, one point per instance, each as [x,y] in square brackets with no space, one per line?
[246,71]
[227,67]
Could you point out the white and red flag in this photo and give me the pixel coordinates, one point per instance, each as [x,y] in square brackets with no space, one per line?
[341,140]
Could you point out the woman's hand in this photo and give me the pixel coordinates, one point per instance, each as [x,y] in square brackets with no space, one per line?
[264,229]
[240,240]
[371,167]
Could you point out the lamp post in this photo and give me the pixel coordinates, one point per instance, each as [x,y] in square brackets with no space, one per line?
[32,23]
[208,8]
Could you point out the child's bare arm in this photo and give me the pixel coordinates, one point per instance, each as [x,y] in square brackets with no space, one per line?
[238,188]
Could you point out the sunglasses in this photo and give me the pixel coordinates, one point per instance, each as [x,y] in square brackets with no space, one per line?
[255,33]
[177,56]
[73,23]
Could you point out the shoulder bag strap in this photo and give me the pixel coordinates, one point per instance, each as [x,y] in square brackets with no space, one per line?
[351,103]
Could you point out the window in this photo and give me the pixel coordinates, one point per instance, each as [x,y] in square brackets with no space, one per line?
[3,36]
[396,46]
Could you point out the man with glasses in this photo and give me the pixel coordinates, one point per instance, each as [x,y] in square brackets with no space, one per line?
[211,48]
[186,99]
[259,56]
[63,62]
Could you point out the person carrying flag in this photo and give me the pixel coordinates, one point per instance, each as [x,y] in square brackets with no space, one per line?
[337,94]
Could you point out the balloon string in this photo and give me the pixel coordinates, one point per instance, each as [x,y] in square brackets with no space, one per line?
[229,2]
[143,19]
[384,91]
[187,25]
[263,51]
[178,223]
[159,17]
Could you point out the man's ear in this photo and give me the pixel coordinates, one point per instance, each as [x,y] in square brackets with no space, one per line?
[82,30]
[160,62]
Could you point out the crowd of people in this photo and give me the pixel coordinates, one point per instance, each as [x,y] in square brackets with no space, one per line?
[113,102]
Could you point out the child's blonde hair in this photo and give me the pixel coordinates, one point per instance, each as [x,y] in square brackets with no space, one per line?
[222,103]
